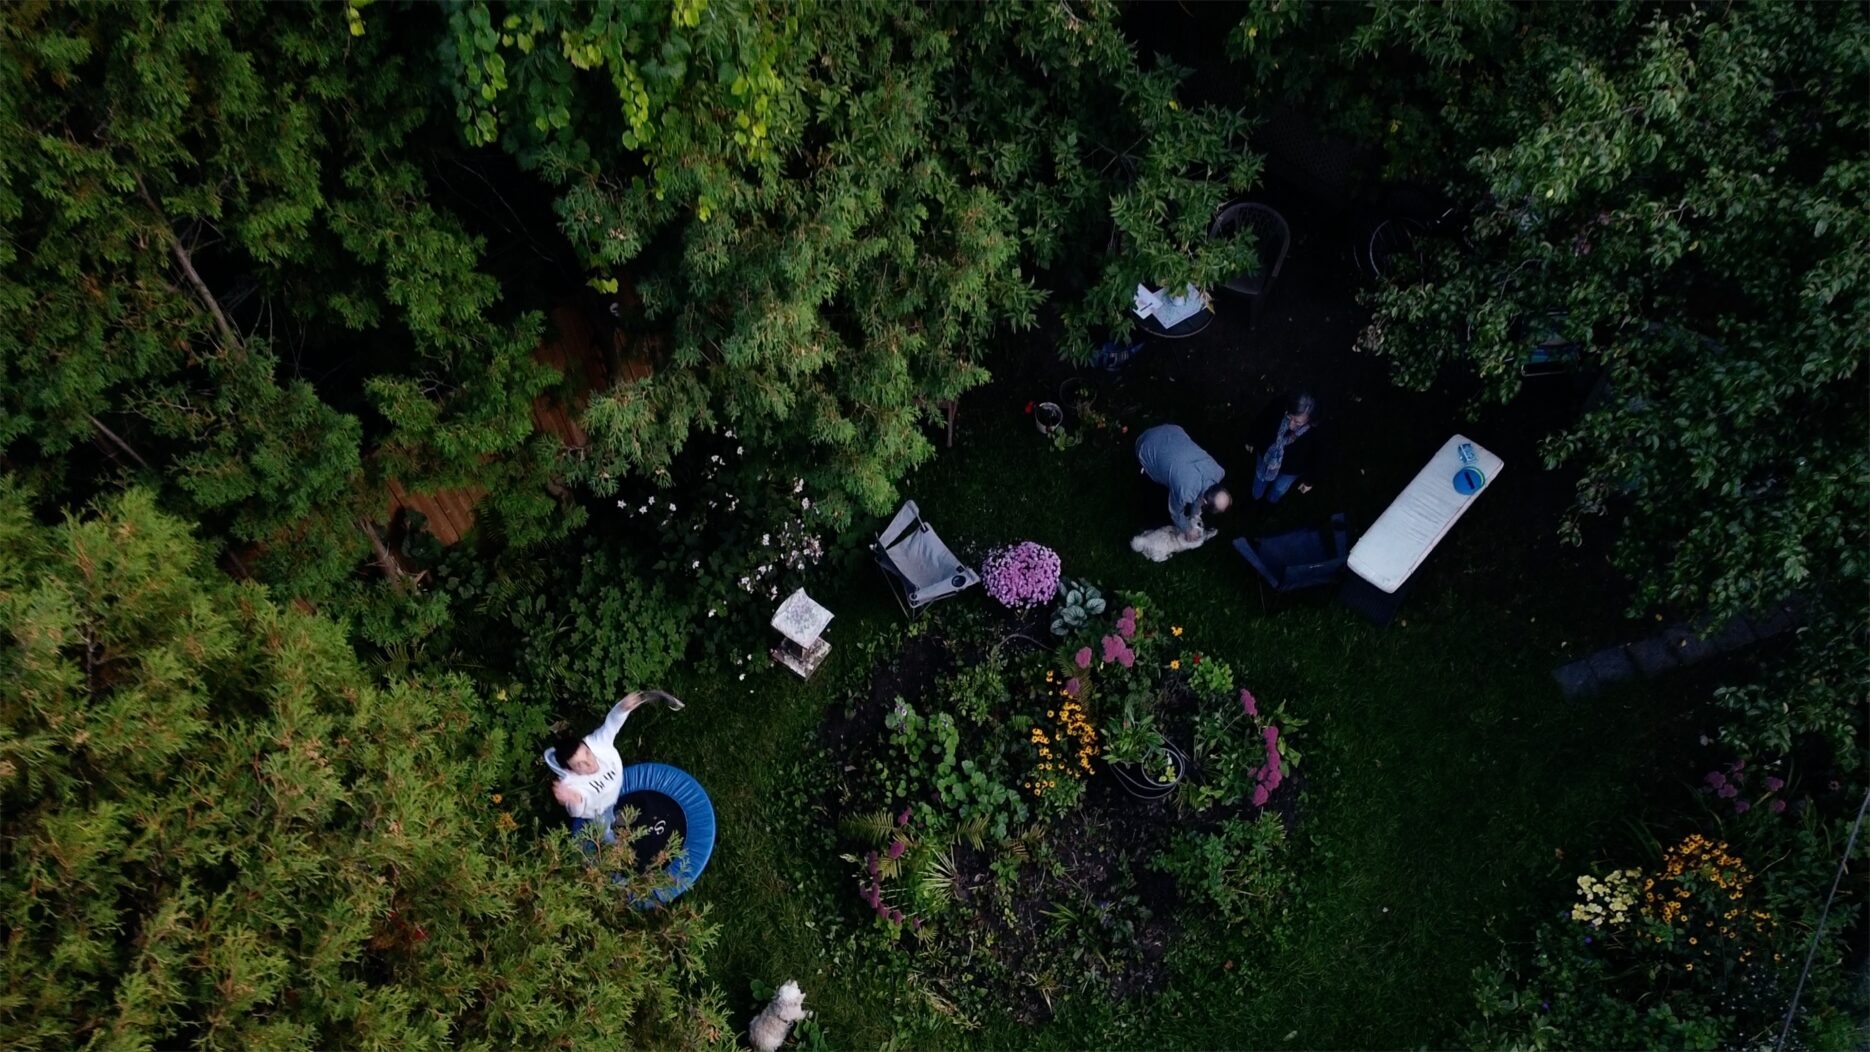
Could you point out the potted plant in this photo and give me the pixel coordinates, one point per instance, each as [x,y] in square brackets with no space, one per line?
[1048,417]
[1145,763]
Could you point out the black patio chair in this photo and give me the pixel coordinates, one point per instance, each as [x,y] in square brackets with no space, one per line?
[1271,234]
[1305,558]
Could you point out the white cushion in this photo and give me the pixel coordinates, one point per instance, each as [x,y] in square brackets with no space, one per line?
[1419,518]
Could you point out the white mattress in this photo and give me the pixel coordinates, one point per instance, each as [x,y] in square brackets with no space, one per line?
[1419,518]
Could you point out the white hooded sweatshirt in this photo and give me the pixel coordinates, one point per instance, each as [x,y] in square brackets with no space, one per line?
[597,792]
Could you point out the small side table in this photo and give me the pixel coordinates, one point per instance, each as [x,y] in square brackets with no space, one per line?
[802,622]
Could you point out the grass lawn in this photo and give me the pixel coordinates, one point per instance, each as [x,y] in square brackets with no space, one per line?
[1449,793]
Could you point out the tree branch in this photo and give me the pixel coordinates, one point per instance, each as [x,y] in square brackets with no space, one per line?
[228,336]
[118,441]
[385,561]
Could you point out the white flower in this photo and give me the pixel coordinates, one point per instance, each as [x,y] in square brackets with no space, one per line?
[798,485]
[743,675]
[696,565]
[740,450]
[710,611]
[624,504]
[729,434]
[806,503]
[642,509]
[766,538]
[671,505]
[652,501]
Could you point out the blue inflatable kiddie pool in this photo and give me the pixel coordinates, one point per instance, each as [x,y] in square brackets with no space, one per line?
[668,803]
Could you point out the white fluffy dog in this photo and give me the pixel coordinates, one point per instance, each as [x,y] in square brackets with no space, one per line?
[1158,544]
[769,1029]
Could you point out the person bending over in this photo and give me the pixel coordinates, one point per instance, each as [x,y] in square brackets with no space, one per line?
[1286,439]
[589,768]
[1170,458]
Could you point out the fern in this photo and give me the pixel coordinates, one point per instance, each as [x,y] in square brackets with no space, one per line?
[874,828]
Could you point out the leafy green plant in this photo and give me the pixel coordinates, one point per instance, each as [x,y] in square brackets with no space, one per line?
[1078,602]
[1239,868]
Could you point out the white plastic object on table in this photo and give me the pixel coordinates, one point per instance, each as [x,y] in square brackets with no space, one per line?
[1169,311]
[1420,516]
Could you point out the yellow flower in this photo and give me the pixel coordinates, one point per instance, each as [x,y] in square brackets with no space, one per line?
[1176,629]
[497,798]
[1175,664]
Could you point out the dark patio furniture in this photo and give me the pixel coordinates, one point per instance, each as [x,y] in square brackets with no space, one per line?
[1272,236]
[1304,558]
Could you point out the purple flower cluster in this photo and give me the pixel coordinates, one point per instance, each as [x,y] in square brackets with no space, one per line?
[1269,775]
[1022,576]
[1729,784]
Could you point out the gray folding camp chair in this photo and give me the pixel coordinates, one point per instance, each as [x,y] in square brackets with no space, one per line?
[918,564]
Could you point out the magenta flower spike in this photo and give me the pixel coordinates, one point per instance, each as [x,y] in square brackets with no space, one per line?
[1083,657]
[1774,784]
[1272,735]
[1247,704]
[1260,796]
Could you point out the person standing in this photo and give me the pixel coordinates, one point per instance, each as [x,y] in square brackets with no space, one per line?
[588,767]
[1286,440]
[1170,458]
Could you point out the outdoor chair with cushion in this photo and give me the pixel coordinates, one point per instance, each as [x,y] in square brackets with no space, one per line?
[1304,558]
[1273,238]
[918,564]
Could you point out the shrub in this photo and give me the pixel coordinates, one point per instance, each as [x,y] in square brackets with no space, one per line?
[221,834]
[1239,868]
[1700,950]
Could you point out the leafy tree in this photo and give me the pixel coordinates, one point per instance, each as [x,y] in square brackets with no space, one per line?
[1677,191]
[194,200]
[220,833]
[834,208]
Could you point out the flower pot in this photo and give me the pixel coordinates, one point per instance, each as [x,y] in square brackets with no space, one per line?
[1142,780]
[1048,417]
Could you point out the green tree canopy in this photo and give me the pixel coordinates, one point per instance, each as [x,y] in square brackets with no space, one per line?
[1679,190]
[835,207]
[220,833]
[194,199]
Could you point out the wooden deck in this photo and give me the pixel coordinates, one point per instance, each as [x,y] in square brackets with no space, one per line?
[572,348]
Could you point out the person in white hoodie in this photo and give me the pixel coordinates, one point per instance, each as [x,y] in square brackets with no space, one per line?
[589,768]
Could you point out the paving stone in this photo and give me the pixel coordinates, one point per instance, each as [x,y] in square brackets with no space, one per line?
[1576,679]
[1652,656]
[1687,647]
[1611,665]
[1735,634]
[1771,624]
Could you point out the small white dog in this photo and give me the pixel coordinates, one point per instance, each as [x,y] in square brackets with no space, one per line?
[1158,544]
[769,1029]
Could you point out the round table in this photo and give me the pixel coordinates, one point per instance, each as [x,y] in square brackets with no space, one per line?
[1183,329]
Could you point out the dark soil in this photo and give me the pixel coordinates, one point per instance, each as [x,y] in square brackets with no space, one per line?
[1086,913]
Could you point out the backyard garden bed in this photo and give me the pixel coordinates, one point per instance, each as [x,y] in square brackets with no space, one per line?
[1029,814]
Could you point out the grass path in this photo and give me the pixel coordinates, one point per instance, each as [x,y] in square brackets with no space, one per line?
[1449,792]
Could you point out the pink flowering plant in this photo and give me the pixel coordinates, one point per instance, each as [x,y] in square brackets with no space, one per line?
[1021,576]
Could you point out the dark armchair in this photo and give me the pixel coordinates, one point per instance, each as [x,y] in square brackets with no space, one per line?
[1306,558]
[1273,238]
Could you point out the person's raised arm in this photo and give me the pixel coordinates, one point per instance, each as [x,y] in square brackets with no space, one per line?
[613,722]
